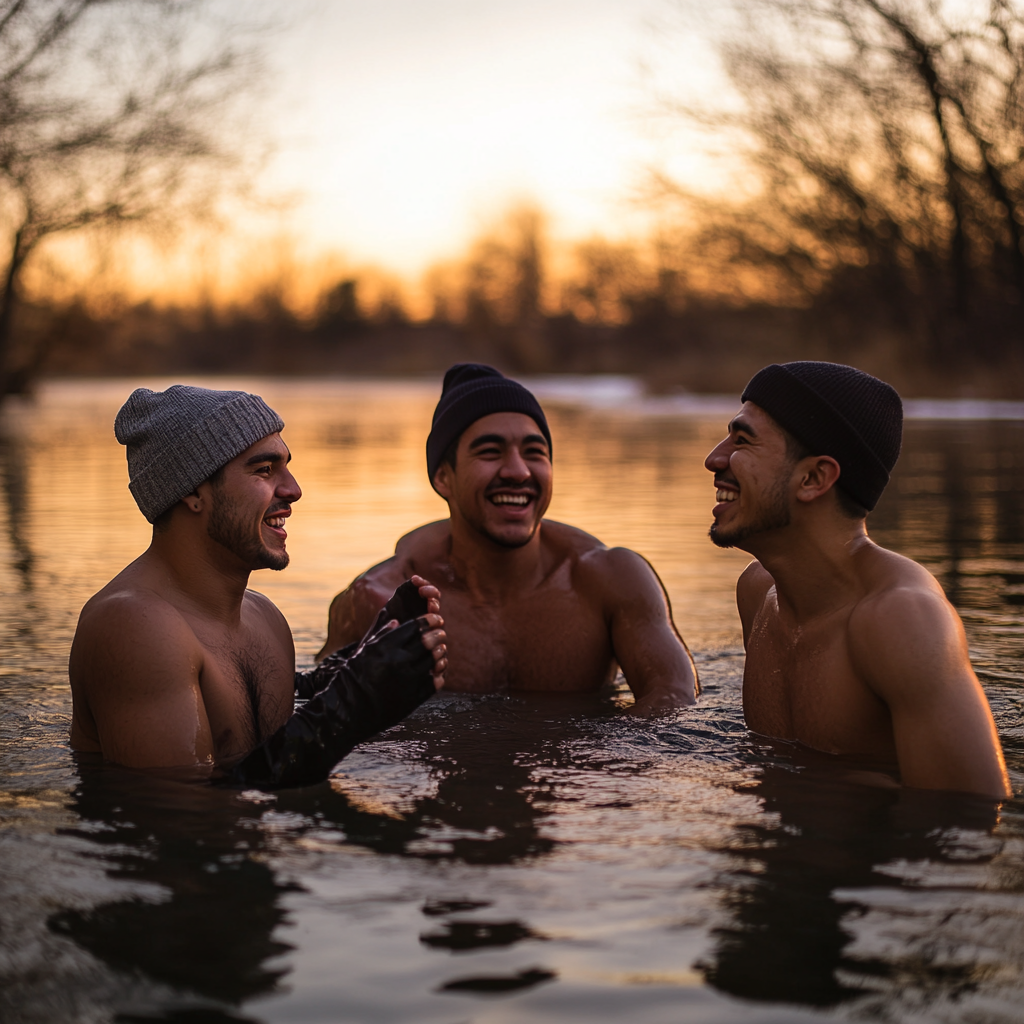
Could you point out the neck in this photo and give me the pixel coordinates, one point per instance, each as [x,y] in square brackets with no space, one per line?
[205,573]
[812,563]
[488,569]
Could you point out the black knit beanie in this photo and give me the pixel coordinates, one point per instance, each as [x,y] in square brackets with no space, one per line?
[838,411]
[469,392]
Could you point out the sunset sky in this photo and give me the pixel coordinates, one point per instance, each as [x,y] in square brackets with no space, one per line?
[404,126]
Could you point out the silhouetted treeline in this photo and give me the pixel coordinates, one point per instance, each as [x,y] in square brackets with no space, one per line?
[697,344]
[881,185]
[876,150]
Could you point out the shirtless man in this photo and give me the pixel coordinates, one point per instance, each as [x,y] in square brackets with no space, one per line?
[529,604]
[851,649]
[176,664]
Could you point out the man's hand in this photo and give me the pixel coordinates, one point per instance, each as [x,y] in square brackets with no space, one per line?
[431,626]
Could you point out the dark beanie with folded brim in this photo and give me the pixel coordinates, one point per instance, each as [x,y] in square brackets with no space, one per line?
[838,411]
[471,391]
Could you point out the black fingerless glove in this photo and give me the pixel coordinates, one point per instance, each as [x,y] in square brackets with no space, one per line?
[383,680]
[404,604]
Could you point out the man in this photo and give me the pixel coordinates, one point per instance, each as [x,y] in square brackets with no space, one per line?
[530,605]
[851,649]
[175,664]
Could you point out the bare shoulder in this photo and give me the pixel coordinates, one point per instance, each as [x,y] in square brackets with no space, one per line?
[895,588]
[121,609]
[616,572]
[124,632]
[903,628]
[751,590]
[424,544]
[267,614]
[565,541]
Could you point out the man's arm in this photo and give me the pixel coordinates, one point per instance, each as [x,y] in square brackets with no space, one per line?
[647,646]
[353,611]
[909,645]
[134,671]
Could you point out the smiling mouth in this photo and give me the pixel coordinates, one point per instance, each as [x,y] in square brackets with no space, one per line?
[519,500]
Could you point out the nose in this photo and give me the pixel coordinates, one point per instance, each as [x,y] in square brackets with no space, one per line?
[288,488]
[514,466]
[718,458]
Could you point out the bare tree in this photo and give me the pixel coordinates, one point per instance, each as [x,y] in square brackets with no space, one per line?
[504,282]
[112,112]
[885,143]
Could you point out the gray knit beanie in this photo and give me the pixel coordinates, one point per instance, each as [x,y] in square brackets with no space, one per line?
[180,437]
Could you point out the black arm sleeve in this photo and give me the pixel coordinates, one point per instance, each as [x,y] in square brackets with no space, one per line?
[404,604]
[385,679]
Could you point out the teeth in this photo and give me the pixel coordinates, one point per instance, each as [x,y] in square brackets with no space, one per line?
[726,495]
[511,499]
[277,522]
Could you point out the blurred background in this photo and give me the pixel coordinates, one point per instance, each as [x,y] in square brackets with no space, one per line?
[553,186]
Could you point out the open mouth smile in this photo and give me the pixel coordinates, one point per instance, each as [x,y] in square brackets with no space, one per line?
[513,505]
[726,492]
[276,520]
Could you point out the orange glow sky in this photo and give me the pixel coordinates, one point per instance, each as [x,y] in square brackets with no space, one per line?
[405,126]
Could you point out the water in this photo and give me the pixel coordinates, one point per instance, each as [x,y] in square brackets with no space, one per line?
[497,860]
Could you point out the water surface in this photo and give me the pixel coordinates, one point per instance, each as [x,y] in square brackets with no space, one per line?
[496,859]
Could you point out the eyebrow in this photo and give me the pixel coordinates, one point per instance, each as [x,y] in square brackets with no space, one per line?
[742,425]
[273,456]
[483,439]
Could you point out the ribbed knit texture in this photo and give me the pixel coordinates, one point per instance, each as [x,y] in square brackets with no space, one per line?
[839,411]
[471,391]
[180,437]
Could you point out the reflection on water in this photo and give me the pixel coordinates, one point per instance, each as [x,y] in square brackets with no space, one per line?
[786,938]
[501,859]
[211,930]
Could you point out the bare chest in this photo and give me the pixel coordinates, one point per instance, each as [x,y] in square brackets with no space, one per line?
[800,685]
[551,640]
[247,685]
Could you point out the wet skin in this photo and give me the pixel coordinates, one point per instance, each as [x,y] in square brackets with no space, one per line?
[175,663]
[529,604]
[851,649]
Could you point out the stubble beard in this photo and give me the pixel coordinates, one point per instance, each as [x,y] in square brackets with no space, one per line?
[234,532]
[774,514]
[511,543]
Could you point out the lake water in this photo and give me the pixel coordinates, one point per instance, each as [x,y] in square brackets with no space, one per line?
[492,859]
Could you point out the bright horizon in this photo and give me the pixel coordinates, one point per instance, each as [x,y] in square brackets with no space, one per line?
[407,125]
[404,129]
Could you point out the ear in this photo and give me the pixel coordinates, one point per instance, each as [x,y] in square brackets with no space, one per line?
[817,475]
[442,481]
[194,501]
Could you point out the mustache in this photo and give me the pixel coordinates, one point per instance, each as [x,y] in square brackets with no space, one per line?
[281,506]
[529,488]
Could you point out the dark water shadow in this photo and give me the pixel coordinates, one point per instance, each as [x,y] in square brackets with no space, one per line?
[14,483]
[490,759]
[209,933]
[785,938]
